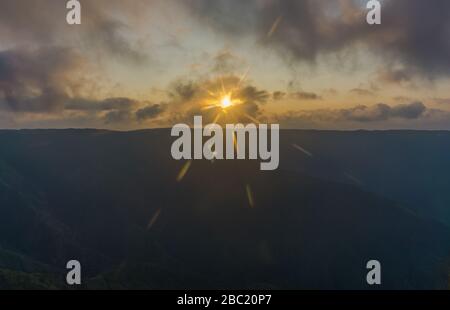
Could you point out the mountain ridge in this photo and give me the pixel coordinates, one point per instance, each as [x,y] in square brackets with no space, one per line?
[132,225]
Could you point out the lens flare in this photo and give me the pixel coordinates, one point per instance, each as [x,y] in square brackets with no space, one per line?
[226,102]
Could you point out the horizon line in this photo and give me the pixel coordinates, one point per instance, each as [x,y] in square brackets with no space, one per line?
[168,128]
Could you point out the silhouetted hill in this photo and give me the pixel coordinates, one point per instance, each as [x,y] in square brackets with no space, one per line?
[411,167]
[112,201]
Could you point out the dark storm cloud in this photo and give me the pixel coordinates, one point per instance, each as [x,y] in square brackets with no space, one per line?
[118,116]
[46,81]
[150,112]
[380,112]
[225,62]
[360,114]
[107,33]
[414,34]
[396,76]
[118,110]
[44,22]
[30,20]
[418,32]
[252,94]
[409,111]
[278,95]
[84,104]
[36,80]
[183,91]
[302,95]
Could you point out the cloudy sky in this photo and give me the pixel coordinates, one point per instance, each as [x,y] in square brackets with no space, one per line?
[153,63]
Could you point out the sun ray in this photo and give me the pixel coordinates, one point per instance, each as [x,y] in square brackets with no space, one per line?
[216,119]
[236,149]
[243,77]
[223,86]
[251,200]
[153,219]
[209,107]
[211,93]
[184,170]
[226,98]
[301,149]
[252,118]
[274,26]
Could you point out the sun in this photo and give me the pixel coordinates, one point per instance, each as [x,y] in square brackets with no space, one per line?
[226,98]
[226,102]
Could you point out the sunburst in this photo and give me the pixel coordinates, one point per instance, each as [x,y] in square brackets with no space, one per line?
[226,100]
